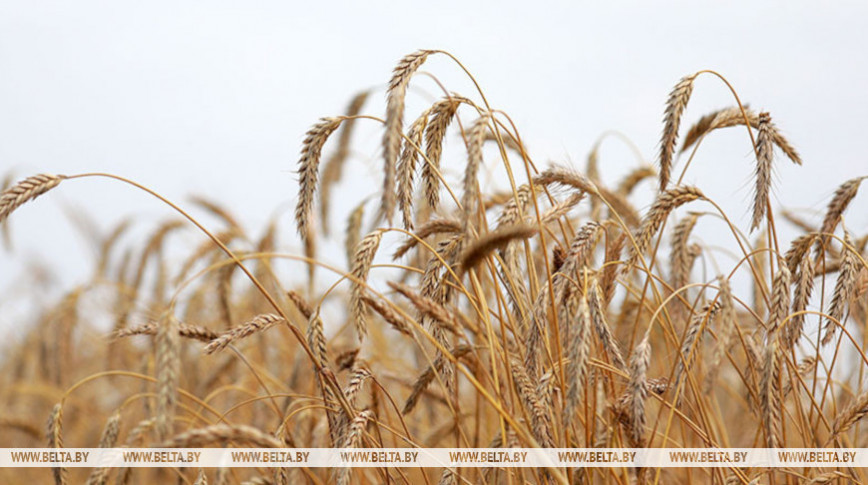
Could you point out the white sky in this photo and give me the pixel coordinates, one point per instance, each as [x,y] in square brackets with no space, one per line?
[213,98]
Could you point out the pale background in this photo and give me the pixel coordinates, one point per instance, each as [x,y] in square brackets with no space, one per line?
[213,98]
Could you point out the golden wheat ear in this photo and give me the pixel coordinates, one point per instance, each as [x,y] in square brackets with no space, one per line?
[308,171]
[25,191]
[395,124]
[678,99]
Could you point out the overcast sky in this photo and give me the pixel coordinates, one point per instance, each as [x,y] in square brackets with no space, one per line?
[213,98]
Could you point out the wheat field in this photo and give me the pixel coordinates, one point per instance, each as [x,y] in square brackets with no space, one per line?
[558,311]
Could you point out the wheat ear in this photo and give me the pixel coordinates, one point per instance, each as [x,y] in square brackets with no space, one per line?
[308,171]
[407,168]
[637,391]
[239,433]
[168,364]
[845,287]
[442,114]
[842,198]
[665,203]
[364,256]
[763,170]
[475,252]
[394,124]
[259,323]
[25,191]
[107,440]
[55,440]
[678,98]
